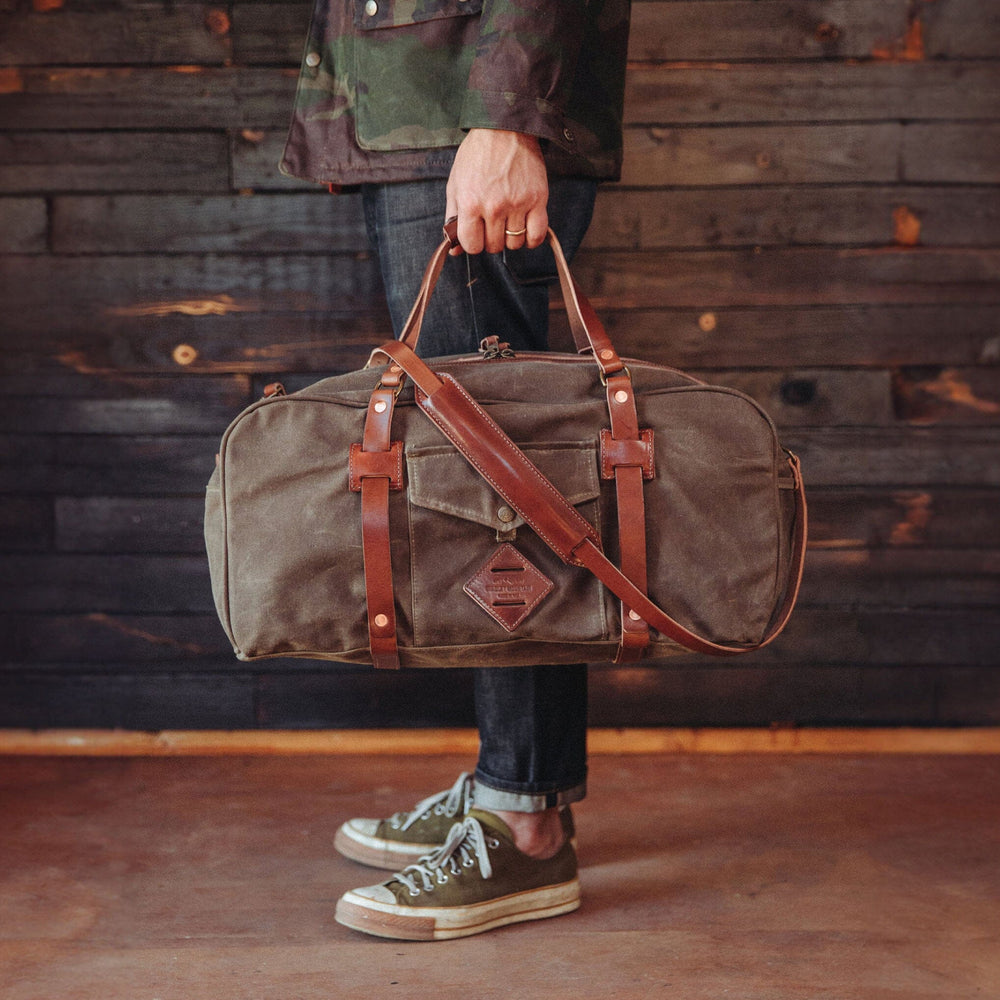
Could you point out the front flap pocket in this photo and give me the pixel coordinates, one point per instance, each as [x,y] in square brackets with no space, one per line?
[441,479]
[480,574]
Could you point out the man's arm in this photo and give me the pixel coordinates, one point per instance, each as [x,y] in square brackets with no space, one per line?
[518,83]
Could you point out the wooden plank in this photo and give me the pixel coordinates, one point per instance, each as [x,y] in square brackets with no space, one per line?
[154,31]
[430,742]
[900,458]
[270,33]
[128,292]
[959,28]
[106,464]
[814,398]
[133,702]
[903,577]
[128,524]
[254,224]
[938,395]
[172,97]
[107,404]
[236,342]
[951,152]
[124,161]
[783,697]
[366,696]
[938,518]
[879,335]
[676,93]
[23,225]
[125,292]
[792,276]
[794,216]
[127,584]
[737,29]
[26,524]
[762,154]
[315,341]
[129,643]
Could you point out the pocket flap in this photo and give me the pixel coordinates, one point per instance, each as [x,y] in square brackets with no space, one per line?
[441,479]
[393,14]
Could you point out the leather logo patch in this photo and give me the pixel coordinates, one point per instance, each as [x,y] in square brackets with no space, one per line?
[508,587]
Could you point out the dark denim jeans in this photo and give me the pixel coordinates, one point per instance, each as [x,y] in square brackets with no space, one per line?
[532,720]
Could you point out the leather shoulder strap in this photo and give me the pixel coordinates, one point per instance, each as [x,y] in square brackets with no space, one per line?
[495,457]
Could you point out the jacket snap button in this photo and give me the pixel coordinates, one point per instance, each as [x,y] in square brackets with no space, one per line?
[371,8]
[569,135]
[313,60]
[506,515]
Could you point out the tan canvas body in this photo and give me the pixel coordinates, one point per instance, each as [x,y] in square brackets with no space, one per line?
[284,530]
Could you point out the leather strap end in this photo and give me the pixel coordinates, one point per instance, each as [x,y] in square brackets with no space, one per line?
[450,231]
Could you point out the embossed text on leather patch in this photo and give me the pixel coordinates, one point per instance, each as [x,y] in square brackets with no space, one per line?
[508,587]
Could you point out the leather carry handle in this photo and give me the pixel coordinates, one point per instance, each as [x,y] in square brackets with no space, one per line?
[505,467]
[589,334]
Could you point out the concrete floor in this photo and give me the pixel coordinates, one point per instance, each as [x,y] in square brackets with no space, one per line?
[761,877]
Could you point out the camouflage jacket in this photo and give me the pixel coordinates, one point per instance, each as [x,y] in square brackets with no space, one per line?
[388,88]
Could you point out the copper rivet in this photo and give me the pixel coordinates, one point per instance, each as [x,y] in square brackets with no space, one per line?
[634,616]
[381,620]
[380,406]
[395,369]
[621,396]
[607,355]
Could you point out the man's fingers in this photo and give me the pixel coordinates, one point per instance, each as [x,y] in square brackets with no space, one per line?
[471,234]
[537,225]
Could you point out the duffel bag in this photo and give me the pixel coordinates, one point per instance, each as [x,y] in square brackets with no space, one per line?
[504,509]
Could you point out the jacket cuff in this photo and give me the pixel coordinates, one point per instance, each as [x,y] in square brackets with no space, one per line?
[517,113]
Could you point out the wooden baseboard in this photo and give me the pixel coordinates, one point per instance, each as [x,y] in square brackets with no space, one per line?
[787,740]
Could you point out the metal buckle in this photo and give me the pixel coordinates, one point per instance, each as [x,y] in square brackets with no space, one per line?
[621,371]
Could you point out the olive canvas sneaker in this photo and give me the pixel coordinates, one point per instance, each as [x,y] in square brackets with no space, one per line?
[476,881]
[406,837]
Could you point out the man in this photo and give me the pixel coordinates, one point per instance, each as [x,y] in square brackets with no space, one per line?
[504,114]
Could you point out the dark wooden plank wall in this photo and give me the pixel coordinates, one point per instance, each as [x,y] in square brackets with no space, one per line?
[809,211]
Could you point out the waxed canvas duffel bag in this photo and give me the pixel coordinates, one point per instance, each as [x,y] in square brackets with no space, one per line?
[500,509]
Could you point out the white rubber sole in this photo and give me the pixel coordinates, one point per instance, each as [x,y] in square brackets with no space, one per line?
[439,923]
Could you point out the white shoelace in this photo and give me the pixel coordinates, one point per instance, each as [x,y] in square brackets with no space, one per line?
[467,845]
[449,803]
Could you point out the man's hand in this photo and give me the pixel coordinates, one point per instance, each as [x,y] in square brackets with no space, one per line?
[499,189]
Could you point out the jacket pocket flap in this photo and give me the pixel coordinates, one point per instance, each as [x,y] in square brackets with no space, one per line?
[393,14]
[441,479]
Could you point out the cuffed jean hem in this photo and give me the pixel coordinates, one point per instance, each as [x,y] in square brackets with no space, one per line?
[489,797]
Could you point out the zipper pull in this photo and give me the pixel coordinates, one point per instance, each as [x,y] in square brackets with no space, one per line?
[493,347]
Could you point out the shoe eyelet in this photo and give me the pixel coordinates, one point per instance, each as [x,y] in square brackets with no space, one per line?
[438,810]
[414,892]
[494,843]
[469,863]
